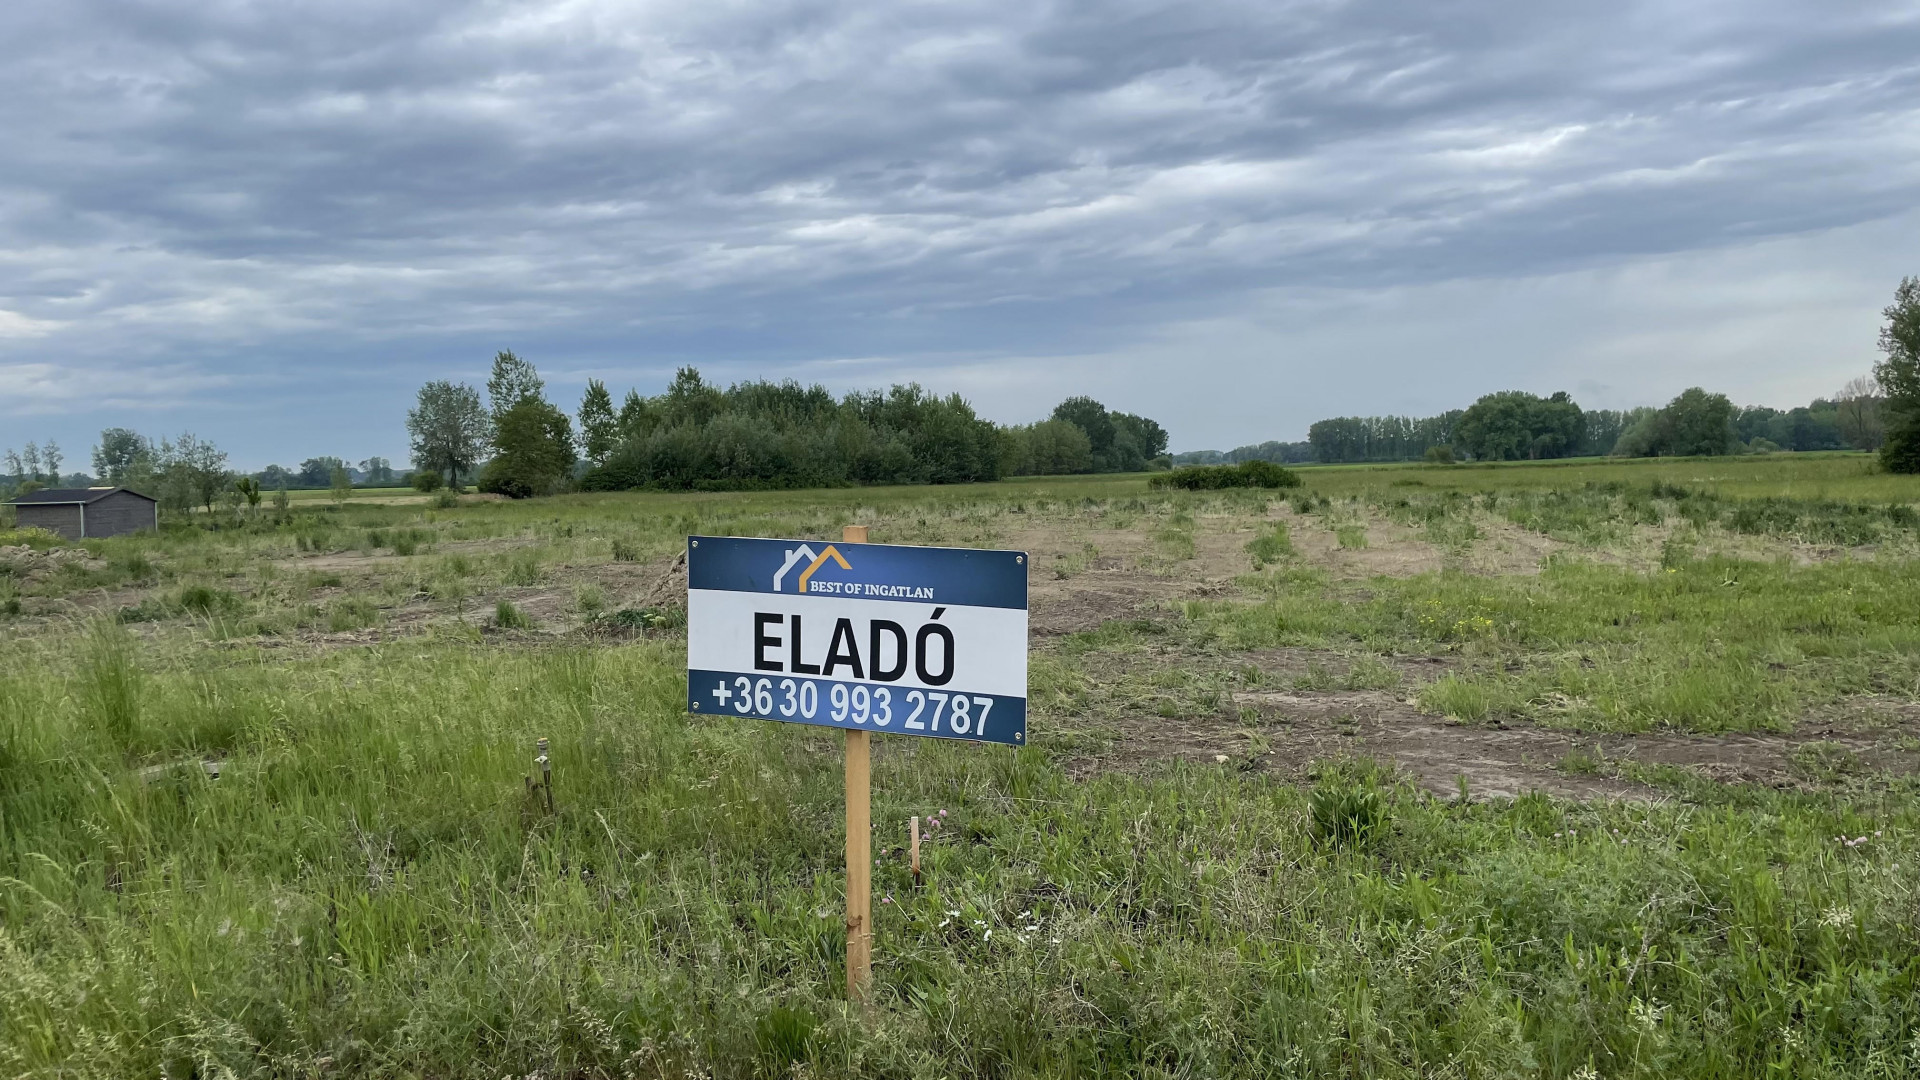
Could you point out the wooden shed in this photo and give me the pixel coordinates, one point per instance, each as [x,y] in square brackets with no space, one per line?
[86,512]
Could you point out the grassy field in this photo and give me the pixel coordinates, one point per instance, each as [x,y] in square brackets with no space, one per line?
[1591,769]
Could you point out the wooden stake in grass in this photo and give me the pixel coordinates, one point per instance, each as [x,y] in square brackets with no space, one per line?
[546,773]
[859,845]
[913,847]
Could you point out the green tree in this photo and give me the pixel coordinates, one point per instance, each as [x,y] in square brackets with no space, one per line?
[535,442]
[1057,448]
[1899,376]
[1513,425]
[190,471]
[448,430]
[249,489]
[50,460]
[1857,413]
[689,400]
[340,483]
[317,472]
[1494,428]
[378,470]
[513,381]
[123,457]
[599,429]
[1091,417]
[1697,423]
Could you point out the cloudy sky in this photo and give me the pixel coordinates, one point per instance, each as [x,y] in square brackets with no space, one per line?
[268,223]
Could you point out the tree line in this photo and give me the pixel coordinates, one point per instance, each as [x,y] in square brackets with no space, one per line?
[1879,411]
[181,472]
[751,435]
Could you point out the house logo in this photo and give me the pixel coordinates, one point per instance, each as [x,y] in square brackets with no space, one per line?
[814,562]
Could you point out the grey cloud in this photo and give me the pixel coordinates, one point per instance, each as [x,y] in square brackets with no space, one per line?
[273,190]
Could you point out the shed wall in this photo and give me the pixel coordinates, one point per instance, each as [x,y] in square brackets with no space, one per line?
[121,513]
[64,520]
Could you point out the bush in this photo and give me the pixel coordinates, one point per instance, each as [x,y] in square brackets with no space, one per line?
[1247,474]
[32,536]
[1440,455]
[447,500]
[508,617]
[206,600]
[1347,813]
[428,480]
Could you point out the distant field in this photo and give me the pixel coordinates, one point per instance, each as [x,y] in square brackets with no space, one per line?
[378,494]
[1573,769]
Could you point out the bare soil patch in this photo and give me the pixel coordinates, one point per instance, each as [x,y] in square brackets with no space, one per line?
[1282,732]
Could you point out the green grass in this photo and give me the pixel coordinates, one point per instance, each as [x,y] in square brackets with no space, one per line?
[1273,544]
[368,882]
[370,887]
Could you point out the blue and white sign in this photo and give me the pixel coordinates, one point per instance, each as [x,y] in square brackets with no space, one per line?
[908,640]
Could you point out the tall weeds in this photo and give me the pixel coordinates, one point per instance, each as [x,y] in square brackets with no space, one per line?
[110,683]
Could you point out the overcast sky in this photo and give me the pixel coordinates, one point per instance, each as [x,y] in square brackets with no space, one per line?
[268,223]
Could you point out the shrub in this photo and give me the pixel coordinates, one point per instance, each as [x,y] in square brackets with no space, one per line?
[1247,474]
[625,550]
[447,500]
[135,565]
[1440,455]
[508,617]
[428,480]
[1347,813]
[32,536]
[206,600]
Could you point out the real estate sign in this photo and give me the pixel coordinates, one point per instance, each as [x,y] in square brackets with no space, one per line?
[876,637]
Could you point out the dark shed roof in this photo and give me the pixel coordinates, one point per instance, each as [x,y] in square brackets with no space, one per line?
[71,496]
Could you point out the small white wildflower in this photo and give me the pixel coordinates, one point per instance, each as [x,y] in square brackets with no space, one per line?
[1837,918]
[1646,1015]
[1588,1072]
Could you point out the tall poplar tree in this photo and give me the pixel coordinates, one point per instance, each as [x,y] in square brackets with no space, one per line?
[1899,376]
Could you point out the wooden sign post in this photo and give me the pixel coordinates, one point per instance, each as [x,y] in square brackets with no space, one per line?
[859,844]
[927,642]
